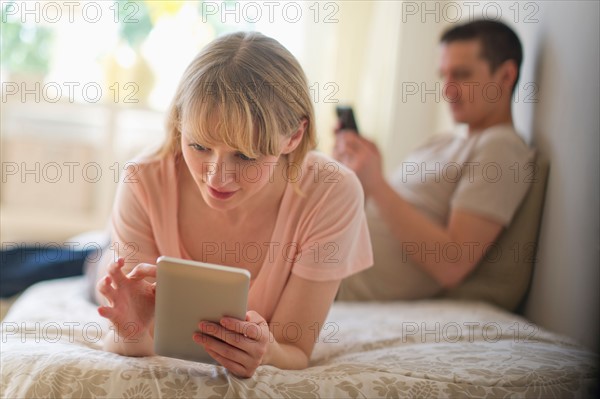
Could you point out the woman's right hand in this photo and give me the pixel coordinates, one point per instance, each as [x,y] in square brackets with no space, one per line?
[130,299]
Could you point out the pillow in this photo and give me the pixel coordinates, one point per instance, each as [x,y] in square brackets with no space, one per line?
[503,276]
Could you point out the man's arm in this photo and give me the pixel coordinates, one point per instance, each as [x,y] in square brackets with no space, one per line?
[449,253]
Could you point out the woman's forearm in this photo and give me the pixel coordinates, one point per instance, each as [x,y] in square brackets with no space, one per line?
[142,345]
[286,356]
[283,356]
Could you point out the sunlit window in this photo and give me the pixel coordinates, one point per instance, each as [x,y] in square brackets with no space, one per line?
[85,86]
[125,52]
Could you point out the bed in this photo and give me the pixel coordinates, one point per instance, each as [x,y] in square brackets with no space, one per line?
[51,347]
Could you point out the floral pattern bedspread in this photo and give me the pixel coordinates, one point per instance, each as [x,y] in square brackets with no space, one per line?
[51,347]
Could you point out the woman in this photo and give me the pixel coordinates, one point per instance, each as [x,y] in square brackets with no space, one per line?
[236,183]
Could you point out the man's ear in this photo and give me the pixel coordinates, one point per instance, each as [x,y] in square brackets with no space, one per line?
[507,75]
[295,139]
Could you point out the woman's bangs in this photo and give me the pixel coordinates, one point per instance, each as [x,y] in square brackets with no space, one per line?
[211,118]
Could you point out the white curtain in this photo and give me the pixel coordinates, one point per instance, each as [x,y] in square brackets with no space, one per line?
[368,59]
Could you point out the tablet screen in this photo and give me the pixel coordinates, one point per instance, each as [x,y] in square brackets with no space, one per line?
[188,292]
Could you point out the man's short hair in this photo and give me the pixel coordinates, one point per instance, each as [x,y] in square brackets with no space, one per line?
[499,43]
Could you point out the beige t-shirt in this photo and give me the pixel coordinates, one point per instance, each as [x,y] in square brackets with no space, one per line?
[485,173]
[320,236]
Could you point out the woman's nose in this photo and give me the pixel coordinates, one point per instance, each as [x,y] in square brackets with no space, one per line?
[220,173]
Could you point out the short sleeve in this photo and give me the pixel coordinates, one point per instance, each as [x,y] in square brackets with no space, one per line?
[131,230]
[336,241]
[495,179]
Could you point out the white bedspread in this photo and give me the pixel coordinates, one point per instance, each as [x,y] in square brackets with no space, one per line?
[51,348]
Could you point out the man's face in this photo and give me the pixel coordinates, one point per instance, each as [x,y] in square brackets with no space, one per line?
[472,90]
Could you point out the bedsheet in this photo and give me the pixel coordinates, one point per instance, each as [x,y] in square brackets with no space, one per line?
[51,347]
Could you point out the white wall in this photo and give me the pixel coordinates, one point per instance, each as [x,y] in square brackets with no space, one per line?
[563,61]
[417,95]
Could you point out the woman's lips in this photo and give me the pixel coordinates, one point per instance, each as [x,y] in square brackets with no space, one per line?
[222,195]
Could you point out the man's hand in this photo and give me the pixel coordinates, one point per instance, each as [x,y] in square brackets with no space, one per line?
[360,155]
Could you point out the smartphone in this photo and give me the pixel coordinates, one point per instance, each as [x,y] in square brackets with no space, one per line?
[346,117]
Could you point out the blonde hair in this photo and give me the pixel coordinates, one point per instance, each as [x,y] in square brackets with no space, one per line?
[244,90]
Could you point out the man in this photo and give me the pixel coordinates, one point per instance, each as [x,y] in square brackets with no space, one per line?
[433,221]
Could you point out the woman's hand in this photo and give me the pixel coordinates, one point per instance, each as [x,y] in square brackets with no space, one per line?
[130,298]
[240,346]
[360,155]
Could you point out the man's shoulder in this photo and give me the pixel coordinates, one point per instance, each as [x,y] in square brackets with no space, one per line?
[503,140]
[501,134]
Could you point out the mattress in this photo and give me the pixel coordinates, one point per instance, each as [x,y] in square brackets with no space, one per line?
[51,347]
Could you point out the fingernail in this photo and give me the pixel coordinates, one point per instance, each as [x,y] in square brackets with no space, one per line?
[199,338]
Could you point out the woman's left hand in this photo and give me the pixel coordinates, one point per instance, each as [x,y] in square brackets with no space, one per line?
[240,346]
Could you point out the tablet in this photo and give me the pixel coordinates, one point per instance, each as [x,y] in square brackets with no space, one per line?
[188,292]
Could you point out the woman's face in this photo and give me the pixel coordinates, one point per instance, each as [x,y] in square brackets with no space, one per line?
[225,177]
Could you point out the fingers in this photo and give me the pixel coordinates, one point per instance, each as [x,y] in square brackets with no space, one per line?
[337,151]
[348,132]
[115,273]
[337,127]
[106,311]
[255,325]
[236,368]
[116,280]
[224,349]
[105,288]
[372,146]
[246,336]
[252,329]
[239,345]
[231,337]
[142,270]
[343,147]
[248,330]
[349,142]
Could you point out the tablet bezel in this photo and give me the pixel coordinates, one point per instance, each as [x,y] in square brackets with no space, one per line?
[223,290]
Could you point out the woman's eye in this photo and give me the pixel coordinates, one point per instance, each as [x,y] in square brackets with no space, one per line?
[197,147]
[245,158]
